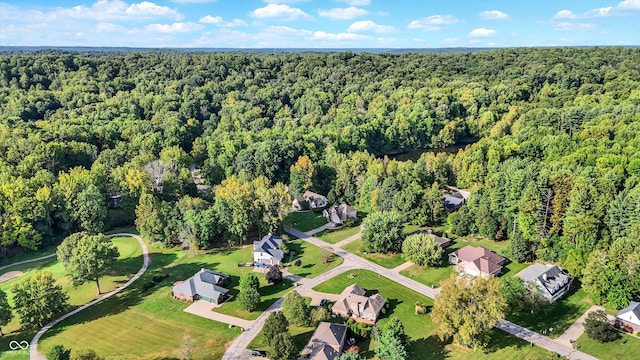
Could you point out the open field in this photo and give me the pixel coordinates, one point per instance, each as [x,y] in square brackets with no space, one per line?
[387,260]
[423,337]
[625,348]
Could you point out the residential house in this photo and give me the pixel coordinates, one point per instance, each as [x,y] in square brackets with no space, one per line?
[552,281]
[628,319]
[353,303]
[326,342]
[204,285]
[338,214]
[453,202]
[477,261]
[309,200]
[443,241]
[267,251]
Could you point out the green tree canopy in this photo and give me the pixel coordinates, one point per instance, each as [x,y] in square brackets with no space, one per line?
[383,232]
[422,249]
[38,299]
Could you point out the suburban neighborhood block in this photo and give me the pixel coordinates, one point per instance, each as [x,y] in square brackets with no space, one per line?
[267,250]
[477,261]
[204,285]
[353,303]
[326,342]
[552,281]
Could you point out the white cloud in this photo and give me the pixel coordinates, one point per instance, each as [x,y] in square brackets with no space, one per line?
[433,23]
[109,28]
[178,27]
[279,11]
[493,15]
[571,26]
[370,26]
[624,8]
[482,32]
[342,13]
[283,1]
[193,1]
[219,21]
[321,35]
[356,2]
[116,10]
[449,41]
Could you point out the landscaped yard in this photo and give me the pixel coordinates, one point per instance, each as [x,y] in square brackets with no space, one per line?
[305,220]
[335,236]
[560,315]
[430,276]
[387,260]
[311,258]
[424,339]
[625,348]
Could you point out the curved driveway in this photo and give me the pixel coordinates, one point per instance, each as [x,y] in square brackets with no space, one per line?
[33,346]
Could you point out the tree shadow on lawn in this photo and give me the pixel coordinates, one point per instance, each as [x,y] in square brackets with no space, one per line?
[430,348]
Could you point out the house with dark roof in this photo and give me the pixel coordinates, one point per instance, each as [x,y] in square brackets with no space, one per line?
[628,319]
[477,261]
[267,250]
[338,214]
[354,304]
[443,241]
[552,281]
[326,342]
[204,285]
[453,202]
[309,200]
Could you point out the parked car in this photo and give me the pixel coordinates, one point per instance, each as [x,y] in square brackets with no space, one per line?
[259,353]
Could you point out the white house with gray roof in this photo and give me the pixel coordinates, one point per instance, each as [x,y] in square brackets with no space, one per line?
[267,251]
[629,318]
[204,285]
[552,281]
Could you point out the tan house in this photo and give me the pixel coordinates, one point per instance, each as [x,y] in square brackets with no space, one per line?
[477,261]
[353,303]
[338,214]
[326,342]
[309,200]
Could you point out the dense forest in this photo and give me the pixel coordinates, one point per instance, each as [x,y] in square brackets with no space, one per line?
[90,141]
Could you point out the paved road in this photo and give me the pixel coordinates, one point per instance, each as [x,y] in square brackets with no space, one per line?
[203,309]
[350,239]
[238,349]
[28,261]
[33,347]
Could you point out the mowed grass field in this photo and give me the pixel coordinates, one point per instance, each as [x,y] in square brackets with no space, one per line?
[305,220]
[425,343]
[387,260]
[624,348]
[128,264]
[335,236]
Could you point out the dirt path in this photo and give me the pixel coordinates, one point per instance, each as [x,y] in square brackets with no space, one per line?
[9,275]
[33,346]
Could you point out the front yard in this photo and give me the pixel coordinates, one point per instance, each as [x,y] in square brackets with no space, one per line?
[335,236]
[387,260]
[311,258]
[625,348]
[305,220]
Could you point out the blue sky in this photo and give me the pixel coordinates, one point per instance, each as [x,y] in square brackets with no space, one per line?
[319,23]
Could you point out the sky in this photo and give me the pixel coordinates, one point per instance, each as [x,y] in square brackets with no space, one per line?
[319,23]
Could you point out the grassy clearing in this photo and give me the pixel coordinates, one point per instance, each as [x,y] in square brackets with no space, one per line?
[387,260]
[625,348]
[424,339]
[269,293]
[559,316]
[335,236]
[430,276]
[305,220]
[312,259]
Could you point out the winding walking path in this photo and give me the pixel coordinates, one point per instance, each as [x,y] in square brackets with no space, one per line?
[28,261]
[33,346]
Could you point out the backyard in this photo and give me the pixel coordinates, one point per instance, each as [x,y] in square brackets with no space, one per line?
[421,331]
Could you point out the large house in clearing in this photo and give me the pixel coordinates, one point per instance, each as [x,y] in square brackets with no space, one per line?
[326,342]
[338,214]
[309,200]
[477,261]
[552,281]
[267,250]
[204,285]
[353,303]
[628,319]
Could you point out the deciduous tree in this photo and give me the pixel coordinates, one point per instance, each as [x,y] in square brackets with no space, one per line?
[6,315]
[38,299]
[383,232]
[422,249]
[295,309]
[249,298]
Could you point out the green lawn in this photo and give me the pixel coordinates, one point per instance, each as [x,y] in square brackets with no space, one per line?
[559,316]
[425,343]
[25,254]
[305,220]
[311,257]
[625,348]
[387,260]
[430,276]
[335,236]
[269,293]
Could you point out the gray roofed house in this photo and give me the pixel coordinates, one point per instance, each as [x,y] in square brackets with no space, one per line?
[629,318]
[353,303]
[204,285]
[552,281]
[453,202]
[338,214]
[326,342]
[266,251]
